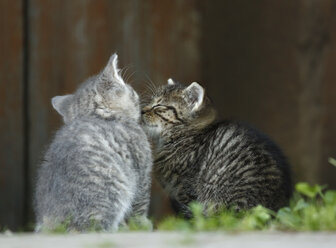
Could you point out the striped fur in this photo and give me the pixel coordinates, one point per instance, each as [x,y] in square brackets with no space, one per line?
[96,171]
[219,164]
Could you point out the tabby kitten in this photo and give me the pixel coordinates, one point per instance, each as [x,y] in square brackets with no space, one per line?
[96,171]
[219,164]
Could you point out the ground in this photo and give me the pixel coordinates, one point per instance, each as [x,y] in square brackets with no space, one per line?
[171,239]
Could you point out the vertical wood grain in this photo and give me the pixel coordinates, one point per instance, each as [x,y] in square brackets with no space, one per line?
[11,115]
[71,40]
[175,52]
[317,25]
[250,65]
[271,63]
[327,173]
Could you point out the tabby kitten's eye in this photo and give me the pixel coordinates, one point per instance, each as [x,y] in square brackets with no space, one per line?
[161,108]
[167,114]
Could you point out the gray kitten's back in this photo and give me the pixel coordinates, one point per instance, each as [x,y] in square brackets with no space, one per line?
[93,176]
[96,171]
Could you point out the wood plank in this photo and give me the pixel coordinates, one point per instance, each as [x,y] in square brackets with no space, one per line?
[271,63]
[175,52]
[71,40]
[317,25]
[249,61]
[11,115]
[328,95]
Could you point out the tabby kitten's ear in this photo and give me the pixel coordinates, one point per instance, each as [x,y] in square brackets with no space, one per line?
[170,81]
[61,104]
[194,95]
[111,71]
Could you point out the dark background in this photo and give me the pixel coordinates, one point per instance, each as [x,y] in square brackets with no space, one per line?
[269,62]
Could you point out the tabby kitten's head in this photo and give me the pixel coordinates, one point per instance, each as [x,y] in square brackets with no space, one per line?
[175,106]
[105,94]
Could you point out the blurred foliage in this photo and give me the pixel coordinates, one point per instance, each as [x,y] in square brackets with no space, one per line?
[312,208]
[137,223]
[332,161]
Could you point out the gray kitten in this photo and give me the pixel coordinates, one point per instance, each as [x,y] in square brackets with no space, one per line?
[97,169]
[217,163]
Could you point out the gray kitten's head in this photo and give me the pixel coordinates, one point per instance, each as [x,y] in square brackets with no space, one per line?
[177,107]
[105,94]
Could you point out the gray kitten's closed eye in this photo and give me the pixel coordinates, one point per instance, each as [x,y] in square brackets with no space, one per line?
[96,171]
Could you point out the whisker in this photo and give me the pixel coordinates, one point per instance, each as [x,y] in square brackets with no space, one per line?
[130,76]
[150,81]
[149,84]
[125,71]
[149,88]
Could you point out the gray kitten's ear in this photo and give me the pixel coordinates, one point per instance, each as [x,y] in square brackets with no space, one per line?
[61,104]
[111,70]
[170,81]
[194,95]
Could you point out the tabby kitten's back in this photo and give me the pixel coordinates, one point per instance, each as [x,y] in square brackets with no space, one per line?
[216,163]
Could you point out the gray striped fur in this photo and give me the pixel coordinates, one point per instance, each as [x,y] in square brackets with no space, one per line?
[96,171]
[219,164]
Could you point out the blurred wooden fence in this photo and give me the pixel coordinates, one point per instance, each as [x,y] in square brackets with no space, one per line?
[268,62]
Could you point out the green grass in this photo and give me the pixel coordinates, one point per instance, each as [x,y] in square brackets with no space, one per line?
[312,208]
[135,223]
[138,223]
[65,227]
